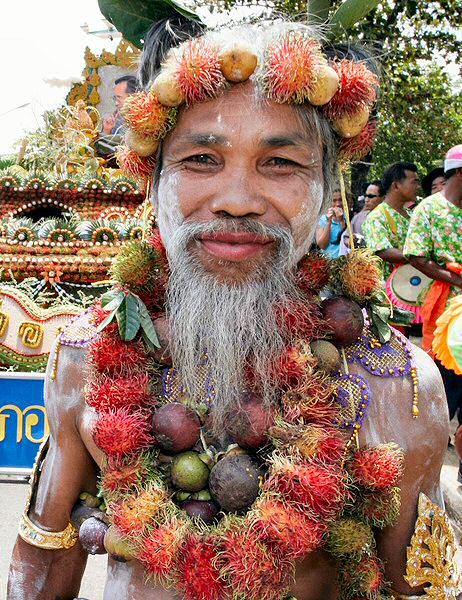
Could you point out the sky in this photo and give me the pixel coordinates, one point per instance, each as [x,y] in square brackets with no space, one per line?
[41,41]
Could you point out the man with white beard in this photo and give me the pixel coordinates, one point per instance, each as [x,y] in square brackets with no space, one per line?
[237,461]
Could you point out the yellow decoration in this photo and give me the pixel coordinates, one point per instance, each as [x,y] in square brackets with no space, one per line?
[25,419]
[431,556]
[444,324]
[4,320]
[125,56]
[31,334]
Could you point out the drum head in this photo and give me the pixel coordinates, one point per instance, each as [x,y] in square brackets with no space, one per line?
[407,283]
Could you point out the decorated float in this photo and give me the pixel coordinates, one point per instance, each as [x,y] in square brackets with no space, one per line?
[65,211]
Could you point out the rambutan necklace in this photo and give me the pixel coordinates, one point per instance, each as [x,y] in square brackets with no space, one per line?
[219,523]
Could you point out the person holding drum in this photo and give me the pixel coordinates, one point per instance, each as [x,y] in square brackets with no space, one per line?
[385,230]
[434,246]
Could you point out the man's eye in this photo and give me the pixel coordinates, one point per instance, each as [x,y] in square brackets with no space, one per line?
[201,159]
[281,162]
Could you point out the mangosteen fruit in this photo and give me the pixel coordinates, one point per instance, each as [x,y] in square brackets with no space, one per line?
[235,482]
[176,427]
[344,319]
[91,536]
[201,509]
[248,427]
[189,473]
[116,545]
[326,354]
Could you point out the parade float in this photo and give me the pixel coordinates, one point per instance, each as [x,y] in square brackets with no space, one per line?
[65,211]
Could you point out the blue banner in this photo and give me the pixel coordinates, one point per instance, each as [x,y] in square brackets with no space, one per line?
[23,422]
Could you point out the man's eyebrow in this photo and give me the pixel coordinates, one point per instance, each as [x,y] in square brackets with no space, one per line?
[278,141]
[203,139]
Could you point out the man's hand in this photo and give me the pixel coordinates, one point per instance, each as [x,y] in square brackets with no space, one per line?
[109,122]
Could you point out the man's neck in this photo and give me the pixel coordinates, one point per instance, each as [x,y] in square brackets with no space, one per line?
[452,195]
[396,202]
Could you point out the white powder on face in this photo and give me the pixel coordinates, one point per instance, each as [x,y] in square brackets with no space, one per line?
[304,224]
[167,205]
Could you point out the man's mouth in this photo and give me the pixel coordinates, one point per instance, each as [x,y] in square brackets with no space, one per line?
[235,246]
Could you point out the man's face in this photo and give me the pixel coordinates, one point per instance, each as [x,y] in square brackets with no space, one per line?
[120,94]
[438,184]
[234,158]
[372,197]
[409,186]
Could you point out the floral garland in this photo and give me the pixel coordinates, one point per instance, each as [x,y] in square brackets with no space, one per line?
[236,527]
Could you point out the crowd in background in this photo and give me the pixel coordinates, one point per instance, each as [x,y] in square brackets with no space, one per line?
[415,226]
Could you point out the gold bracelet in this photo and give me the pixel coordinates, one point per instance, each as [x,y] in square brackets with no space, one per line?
[47,540]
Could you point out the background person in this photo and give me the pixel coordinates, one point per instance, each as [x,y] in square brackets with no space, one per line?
[113,123]
[372,198]
[331,226]
[433,182]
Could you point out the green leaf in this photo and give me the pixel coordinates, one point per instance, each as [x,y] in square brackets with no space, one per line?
[133,18]
[106,321]
[115,302]
[110,295]
[149,331]
[318,10]
[402,317]
[128,318]
[349,13]
[380,328]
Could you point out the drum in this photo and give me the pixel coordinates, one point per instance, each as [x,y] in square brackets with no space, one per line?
[404,288]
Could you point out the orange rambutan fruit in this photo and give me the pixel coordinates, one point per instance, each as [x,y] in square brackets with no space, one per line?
[290,68]
[105,393]
[109,354]
[378,468]
[358,274]
[357,147]
[199,576]
[147,116]
[159,550]
[319,489]
[198,72]
[133,165]
[120,431]
[253,569]
[314,403]
[313,272]
[120,474]
[358,88]
[294,365]
[381,509]
[281,524]
[365,577]
[137,510]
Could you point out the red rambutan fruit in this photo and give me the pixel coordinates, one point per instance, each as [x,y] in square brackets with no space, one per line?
[147,116]
[295,533]
[313,272]
[156,243]
[294,365]
[378,468]
[290,68]
[120,432]
[298,319]
[317,488]
[365,577]
[325,444]
[109,354]
[133,165]
[358,87]
[137,510]
[314,402]
[381,509]
[120,474]
[97,316]
[107,393]
[159,550]
[253,569]
[198,72]
[199,577]
[358,275]
[356,148]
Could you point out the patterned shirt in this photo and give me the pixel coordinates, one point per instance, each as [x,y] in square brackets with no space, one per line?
[436,232]
[385,228]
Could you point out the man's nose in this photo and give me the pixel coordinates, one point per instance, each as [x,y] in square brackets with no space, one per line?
[239,198]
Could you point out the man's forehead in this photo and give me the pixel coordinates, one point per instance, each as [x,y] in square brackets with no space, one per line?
[214,137]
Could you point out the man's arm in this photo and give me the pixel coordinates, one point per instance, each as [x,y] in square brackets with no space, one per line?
[393,255]
[435,271]
[68,470]
[424,441]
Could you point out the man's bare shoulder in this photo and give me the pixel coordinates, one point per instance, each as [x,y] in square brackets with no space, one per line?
[390,416]
[67,370]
